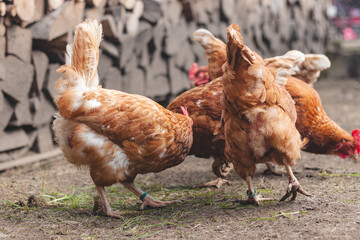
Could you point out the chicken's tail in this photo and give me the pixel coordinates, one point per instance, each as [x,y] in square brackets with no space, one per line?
[292,59]
[309,70]
[215,50]
[82,58]
[237,52]
[208,41]
[285,65]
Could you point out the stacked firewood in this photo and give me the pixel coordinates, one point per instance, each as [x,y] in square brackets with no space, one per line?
[147,49]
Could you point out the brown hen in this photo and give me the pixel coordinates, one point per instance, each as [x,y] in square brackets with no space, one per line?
[116,134]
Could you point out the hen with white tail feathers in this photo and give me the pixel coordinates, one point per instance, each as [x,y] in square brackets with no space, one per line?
[116,134]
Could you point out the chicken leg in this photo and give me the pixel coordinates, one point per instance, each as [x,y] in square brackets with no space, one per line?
[294,186]
[105,205]
[253,196]
[147,199]
[221,168]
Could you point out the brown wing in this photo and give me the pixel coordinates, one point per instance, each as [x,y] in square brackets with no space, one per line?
[135,123]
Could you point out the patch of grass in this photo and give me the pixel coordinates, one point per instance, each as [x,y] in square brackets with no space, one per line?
[73,200]
[15,205]
[262,218]
[148,235]
[350,201]
[339,175]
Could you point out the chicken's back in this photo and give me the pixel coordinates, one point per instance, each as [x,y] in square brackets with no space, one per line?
[148,134]
[312,121]
[204,106]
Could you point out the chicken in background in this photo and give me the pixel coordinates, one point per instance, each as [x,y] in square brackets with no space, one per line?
[116,134]
[203,103]
[324,135]
[259,117]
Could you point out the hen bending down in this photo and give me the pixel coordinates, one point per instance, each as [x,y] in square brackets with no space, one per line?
[117,135]
[259,117]
[203,103]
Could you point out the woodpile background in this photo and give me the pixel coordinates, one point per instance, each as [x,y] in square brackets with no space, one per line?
[147,49]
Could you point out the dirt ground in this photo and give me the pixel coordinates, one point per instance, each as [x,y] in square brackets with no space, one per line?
[60,205]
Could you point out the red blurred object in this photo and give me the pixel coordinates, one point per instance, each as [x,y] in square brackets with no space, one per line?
[349,33]
[198,75]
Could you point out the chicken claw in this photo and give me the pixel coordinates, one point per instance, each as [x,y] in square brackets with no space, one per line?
[294,186]
[257,199]
[218,182]
[150,201]
[147,199]
[254,199]
[253,196]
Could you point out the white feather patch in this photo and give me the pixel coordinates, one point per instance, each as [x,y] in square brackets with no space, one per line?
[162,154]
[91,104]
[68,54]
[120,160]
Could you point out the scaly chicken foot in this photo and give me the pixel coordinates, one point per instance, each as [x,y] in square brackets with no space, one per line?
[253,196]
[103,208]
[221,168]
[147,199]
[294,186]
[150,201]
[218,182]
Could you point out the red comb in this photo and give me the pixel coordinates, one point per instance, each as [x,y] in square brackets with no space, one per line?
[356,134]
[184,111]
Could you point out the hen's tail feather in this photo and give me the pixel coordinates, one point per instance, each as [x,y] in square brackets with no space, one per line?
[215,50]
[82,58]
[235,47]
[285,65]
[310,69]
[292,59]
[207,40]
[316,62]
